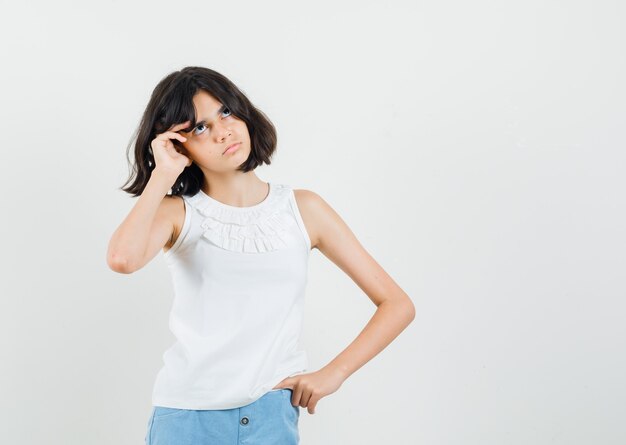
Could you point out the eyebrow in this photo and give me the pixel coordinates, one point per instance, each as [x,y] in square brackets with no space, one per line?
[206,120]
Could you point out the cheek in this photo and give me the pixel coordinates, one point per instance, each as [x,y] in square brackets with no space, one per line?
[242,128]
[210,151]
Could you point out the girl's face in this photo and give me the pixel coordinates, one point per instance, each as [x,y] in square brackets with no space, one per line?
[216,130]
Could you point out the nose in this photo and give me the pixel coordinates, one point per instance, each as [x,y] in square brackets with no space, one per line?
[222,133]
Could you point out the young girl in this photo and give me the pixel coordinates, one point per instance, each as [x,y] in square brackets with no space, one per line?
[237,248]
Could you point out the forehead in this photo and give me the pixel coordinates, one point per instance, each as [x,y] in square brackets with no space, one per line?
[205,104]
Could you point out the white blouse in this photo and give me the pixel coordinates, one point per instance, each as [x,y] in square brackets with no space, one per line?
[239,276]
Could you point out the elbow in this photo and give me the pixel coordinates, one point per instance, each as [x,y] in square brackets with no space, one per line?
[119,264]
[412,312]
[409,311]
[404,309]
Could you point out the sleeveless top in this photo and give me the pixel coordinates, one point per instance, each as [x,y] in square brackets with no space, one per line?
[239,276]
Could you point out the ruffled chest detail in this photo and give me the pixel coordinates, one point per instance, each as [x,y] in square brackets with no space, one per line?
[255,229]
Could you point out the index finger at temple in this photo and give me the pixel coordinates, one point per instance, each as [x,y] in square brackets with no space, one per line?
[180,126]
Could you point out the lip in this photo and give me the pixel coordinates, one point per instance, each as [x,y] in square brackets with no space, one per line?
[236,146]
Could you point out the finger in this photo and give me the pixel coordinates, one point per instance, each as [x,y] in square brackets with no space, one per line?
[171,135]
[179,126]
[295,398]
[312,403]
[304,401]
[285,383]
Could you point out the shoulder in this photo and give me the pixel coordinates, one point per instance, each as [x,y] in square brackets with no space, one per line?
[316,213]
[306,197]
[312,202]
[307,200]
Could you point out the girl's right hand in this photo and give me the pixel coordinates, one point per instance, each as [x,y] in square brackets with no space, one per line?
[167,157]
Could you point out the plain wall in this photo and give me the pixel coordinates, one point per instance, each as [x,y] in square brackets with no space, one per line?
[476,149]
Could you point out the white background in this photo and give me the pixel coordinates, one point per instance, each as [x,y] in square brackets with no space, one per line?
[475,148]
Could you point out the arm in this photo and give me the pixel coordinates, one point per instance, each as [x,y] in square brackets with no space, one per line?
[395,310]
[145,230]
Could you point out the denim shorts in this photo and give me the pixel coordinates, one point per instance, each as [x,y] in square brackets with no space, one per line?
[271,419]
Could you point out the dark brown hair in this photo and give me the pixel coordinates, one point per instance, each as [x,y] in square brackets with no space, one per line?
[172,103]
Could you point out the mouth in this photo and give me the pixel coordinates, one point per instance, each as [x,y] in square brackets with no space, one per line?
[232,148]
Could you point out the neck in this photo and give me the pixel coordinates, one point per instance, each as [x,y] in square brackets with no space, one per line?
[239,190]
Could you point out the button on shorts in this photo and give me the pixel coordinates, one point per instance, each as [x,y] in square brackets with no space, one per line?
[269,420]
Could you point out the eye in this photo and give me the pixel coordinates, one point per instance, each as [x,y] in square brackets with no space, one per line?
[202,124]
[195,132]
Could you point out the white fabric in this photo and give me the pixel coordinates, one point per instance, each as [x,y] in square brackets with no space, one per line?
[239,277]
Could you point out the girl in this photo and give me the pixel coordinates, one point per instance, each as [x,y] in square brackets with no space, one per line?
[237,248]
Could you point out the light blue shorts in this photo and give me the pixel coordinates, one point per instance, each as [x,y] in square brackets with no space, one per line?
[271,419]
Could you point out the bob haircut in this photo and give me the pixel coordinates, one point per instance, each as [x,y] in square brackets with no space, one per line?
[172,103]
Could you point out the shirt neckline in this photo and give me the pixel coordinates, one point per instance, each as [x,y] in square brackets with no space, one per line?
[257,206]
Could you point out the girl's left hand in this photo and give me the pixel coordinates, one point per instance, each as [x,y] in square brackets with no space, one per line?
[309,388]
